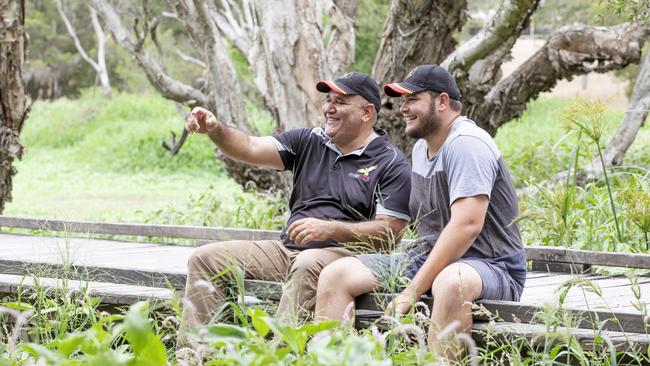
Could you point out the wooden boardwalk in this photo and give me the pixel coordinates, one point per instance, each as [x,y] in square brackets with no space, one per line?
[123,272]
[162,266]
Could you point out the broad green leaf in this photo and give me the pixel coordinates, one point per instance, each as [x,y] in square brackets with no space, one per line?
[146,346]
[259,323]
[40,352]
[225,333]
[69,343]
[18,305]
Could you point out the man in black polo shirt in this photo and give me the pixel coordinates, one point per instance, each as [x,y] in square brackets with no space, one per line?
[350,185]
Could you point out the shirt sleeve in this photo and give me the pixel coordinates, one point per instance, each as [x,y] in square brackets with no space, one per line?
[471,166]
[290,145]
[394,191]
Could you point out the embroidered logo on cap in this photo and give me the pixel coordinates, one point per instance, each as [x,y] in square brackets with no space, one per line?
[411,73]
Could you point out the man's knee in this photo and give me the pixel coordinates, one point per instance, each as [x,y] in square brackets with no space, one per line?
[349,275]
[456,284]
[210,259]
[334,273]
[307,264]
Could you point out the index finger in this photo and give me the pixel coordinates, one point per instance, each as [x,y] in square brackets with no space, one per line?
[191,124]
[198,113]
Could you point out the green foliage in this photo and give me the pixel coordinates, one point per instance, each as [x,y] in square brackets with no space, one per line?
[567,214]
[369,24]
[252,209]
[146,346]
[121,134]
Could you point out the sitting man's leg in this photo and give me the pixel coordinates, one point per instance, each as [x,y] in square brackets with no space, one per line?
[299,289]
[264,259]
[453,290]
[339,284]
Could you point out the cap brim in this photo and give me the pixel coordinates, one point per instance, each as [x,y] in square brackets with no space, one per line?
[325,86]
[397,89]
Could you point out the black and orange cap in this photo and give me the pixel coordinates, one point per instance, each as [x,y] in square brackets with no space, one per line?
[353,83]
[425,77]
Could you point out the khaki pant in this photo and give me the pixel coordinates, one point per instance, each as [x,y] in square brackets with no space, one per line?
[262,260]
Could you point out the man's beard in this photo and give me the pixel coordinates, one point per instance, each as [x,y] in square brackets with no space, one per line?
[430,124]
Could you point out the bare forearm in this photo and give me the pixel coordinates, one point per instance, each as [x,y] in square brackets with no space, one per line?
[259,151]
[231,141]
[381,234]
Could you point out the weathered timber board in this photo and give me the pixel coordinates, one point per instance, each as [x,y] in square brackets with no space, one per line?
[149,230]
[536,335]
[205,234]
[631,322]
[157,265]
[110,293]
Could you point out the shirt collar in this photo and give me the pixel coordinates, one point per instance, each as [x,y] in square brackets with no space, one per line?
[372,149]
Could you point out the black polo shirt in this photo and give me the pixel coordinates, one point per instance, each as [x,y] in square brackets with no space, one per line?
[353,187]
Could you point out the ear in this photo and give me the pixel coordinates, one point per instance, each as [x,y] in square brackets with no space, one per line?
[368,111]
[443,100]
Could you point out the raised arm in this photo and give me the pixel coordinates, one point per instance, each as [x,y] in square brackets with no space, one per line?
[253,150]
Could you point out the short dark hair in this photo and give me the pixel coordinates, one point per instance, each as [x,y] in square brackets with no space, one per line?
[456,105]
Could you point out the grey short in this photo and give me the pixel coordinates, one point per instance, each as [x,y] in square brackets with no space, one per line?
[503,278]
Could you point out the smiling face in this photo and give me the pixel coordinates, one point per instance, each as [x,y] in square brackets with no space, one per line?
[421,114]
[345,117]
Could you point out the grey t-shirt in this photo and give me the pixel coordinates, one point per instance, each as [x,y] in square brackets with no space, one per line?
[467,164]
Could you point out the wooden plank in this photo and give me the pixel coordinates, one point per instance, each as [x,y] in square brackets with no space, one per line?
[537,335]
[149,230]
[612,289]
[513,311]
[560,267]
[555,254]
[109,293]
[547,254]
[138,277]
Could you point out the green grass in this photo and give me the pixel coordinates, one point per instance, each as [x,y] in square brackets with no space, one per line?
[537,145]
[97,158]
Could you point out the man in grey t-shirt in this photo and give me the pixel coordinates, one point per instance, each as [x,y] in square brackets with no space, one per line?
[463,203]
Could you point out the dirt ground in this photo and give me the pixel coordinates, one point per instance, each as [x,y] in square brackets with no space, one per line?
[605,87]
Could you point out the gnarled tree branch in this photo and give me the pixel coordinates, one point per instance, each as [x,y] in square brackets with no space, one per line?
[635,116]
[504,27]
[167,86]
[569,51]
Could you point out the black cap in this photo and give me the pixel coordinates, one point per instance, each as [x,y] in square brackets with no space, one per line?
[353,83]
[425,77]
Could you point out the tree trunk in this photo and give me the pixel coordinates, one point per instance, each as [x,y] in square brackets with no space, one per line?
[100,65]
[222,93]
[14,104]
[287,59]
[415,32]
[410,39]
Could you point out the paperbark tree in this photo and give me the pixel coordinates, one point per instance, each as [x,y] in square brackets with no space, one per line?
[289,46]
[487,98]
[100,64]
[14,103]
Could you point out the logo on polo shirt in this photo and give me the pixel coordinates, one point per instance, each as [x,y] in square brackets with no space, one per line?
[363,173]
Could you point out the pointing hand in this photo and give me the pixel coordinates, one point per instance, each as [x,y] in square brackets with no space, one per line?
[201,120]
